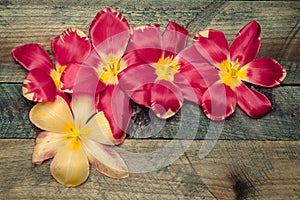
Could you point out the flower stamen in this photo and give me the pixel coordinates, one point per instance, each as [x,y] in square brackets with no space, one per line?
[109,69]
[229,73]
[56,75]
[166,68]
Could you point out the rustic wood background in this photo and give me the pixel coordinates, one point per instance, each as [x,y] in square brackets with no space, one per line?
[253,159]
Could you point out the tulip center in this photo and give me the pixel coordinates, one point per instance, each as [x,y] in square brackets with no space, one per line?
[56,75]
[73,135]
[230,73]
[109,69]
[166,68]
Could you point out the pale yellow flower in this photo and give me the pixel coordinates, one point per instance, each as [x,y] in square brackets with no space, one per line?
[74,138]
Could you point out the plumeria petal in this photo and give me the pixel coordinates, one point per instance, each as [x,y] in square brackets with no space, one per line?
[32,56]
[38,86]
[212,45]
[264,72]
[252,102]
[83,107]
[47,145]
[70,165]
[110,32]
[116,107]
[52,116]
[72,46]
[106,160]
[166,99]
[246,44]
[174,37]
[218,101]
[98,129]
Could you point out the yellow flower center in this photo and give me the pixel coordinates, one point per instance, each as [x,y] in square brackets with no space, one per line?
[109,69]
[231,73]
[56,75]
[166,68]
[74,134]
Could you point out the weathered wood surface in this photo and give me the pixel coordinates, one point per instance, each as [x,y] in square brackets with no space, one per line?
[282,123]
[40,21]
[232,170]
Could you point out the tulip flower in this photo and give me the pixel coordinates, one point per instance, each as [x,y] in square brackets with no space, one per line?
[158,82]
[75,137]
[226,71]
[110,33]
[43,81]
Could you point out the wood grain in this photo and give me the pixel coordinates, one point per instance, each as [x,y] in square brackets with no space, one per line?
[237,166]
[232,170]
[38,22]
[282,123]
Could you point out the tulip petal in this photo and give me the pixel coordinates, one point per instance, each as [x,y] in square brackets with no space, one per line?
[68,77]
[83,107]
[197,72]
[93,60]
[110,32]
[147,43]
[212,45]
[174,37]
[72,46]
[184,81]
[252,102]
[98,129]
[47,144]
[166,99]
[218,101]
[264,72]
[138,87]
[70,165]
[246,44]
[142,95]
[106,160]
[52,116]
[38,86]
[117,109]
[147,37]
[82,80]
[32,56]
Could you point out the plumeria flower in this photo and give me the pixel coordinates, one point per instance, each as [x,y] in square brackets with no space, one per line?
[110,33]
[75,137]
[159,82]
[43,81]
[224,70]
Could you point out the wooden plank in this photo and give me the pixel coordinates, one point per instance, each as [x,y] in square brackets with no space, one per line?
[282,123]
[232,170]
[251,169]
[34,21]
[22,180]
